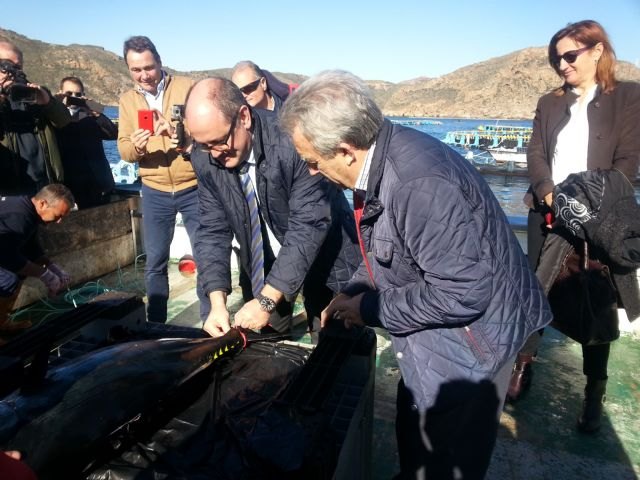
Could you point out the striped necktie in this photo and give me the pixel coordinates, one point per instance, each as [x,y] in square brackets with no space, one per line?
[257,248]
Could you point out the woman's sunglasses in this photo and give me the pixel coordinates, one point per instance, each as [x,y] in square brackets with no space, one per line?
[571,56]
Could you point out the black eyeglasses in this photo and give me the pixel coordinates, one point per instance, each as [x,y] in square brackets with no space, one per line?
[250,87]
[222,145]
[572,55]
[73,94]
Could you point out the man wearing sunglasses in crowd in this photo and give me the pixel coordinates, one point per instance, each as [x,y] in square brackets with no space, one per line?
[260,88]
[29,155]
[296,231]
[87,171]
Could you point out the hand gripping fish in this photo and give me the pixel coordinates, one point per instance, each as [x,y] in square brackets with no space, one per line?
[83,401]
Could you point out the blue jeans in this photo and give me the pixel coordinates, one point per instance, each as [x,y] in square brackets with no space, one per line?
[159,211]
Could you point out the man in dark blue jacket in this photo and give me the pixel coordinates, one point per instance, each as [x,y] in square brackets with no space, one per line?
[20,253]
[443,272]
[295,231]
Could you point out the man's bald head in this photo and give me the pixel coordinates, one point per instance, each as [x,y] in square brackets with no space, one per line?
[213,94]
[219,120]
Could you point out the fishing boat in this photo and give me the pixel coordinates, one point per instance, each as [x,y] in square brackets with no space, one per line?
[487,137]
[511,157]
[412,122]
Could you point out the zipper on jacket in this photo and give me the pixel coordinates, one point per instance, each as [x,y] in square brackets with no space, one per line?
[474,345]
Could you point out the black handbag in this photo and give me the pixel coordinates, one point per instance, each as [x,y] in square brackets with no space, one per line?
[583,300]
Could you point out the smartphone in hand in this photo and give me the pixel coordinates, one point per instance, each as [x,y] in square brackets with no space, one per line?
[145,120]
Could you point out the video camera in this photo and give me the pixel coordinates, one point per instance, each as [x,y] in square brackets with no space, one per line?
[77,101]
[177,115]
[18,92]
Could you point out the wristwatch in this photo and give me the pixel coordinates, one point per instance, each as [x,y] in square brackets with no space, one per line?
[266,304]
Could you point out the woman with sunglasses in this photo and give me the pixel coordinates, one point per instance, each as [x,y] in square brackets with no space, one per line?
[590,122]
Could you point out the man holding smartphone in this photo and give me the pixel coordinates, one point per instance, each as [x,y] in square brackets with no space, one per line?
[168,180]
[87,171]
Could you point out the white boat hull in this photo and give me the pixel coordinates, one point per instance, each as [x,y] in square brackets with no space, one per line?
[506,156]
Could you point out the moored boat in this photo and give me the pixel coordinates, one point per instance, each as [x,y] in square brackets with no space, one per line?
[412,122]
[487,137]
[510,156]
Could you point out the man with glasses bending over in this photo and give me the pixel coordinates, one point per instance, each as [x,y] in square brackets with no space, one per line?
[295,231]
[259,87]
[168,180]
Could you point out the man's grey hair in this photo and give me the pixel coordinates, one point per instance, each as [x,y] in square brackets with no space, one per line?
[223,95]
[247,64]
[54,193]
[330,108]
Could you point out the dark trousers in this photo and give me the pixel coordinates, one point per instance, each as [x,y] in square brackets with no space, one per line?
[159,210]
[455,437]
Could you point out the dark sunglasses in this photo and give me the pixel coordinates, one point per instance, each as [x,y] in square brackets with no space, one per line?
[572,55]
[73,94]
[250,87]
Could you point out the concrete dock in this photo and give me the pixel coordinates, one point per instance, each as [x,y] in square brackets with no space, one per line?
[537,436]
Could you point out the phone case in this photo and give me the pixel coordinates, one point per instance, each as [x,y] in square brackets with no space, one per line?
[145,120]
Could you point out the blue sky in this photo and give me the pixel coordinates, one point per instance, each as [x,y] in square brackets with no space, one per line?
[393,40]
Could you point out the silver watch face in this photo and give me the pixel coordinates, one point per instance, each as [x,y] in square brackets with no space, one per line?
[266,304]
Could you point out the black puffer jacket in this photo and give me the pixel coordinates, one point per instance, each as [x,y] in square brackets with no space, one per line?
[599,206]
[309,216]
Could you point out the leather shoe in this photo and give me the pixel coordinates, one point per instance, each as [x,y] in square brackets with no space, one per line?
[520,377]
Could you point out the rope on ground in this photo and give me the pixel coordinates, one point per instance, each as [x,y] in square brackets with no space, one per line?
[46,308]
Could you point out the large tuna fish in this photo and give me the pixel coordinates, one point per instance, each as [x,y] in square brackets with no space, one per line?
[82,402]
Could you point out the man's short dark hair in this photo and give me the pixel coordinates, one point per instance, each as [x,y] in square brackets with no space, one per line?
[55,192]
[139,44]
[75,80]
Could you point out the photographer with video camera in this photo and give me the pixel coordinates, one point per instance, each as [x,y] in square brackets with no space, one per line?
[29,155]
[87,172]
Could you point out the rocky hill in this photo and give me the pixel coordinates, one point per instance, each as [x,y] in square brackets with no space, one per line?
[501,87]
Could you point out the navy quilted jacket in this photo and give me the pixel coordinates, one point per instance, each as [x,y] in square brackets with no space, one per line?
[453,287]
[309,216]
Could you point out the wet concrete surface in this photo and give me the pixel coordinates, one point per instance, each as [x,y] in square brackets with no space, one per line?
[537,437]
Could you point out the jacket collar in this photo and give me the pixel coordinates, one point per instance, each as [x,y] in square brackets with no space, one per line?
[256,132]
[373,205]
